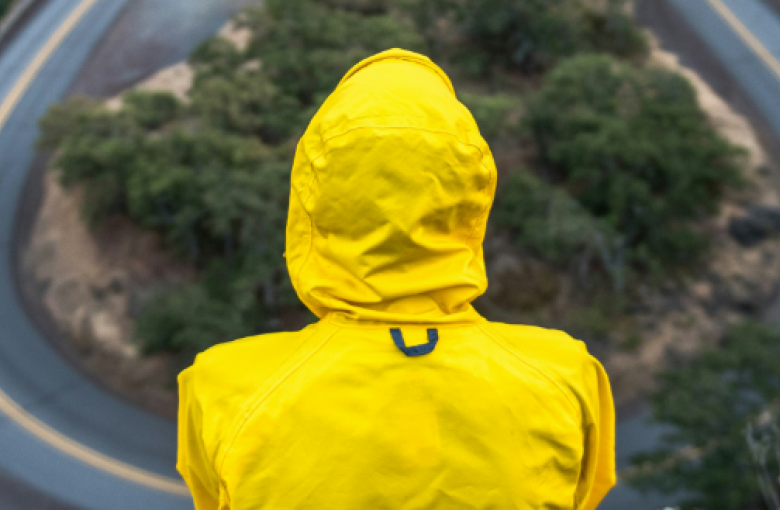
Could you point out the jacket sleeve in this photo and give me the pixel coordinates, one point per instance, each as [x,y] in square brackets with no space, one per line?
[193,463]
[597,476]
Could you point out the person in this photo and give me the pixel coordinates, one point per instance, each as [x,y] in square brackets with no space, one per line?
[402,396]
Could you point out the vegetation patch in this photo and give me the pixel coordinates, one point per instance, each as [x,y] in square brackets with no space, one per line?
[607,164]
[724,448]
[5,6]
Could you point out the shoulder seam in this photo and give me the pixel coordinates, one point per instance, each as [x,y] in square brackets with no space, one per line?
[534,366]
[262,394]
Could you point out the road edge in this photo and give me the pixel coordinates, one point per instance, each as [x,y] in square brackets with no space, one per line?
[16,19]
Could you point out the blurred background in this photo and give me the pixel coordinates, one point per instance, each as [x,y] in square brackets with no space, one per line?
[145,151]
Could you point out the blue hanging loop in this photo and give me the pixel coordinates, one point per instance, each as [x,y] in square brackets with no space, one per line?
[417,350]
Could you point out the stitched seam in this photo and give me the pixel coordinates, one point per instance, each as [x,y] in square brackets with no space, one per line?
[444,325]
[430,65]
[311,242]
[541,371]
[485,209]
[326,151]
[219,457]
[253,408]
[310,185]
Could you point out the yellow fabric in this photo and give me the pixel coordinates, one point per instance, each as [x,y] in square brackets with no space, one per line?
[391,188]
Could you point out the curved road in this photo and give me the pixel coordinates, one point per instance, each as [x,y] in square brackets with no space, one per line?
[66,438]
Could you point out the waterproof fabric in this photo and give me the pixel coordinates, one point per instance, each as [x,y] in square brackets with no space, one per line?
[391,188]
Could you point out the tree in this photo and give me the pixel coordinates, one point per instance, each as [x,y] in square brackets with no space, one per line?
[4,6]
[719,405]
[528,36]
[306,46]
[547,221]
[632,146]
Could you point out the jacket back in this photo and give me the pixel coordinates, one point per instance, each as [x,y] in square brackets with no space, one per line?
[402,396]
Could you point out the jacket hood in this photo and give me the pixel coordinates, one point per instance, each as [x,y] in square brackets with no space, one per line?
[390,193]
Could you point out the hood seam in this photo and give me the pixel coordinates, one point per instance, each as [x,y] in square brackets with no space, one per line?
[475,324]
[486,192]
[413,128]
[402,55]
[311,240]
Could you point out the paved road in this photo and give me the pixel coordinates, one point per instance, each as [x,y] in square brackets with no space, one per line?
[75,443]
[62,438]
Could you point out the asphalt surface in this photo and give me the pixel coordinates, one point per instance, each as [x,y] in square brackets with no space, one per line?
[32,372]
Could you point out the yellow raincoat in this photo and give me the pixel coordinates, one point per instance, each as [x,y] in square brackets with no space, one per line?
[402,396]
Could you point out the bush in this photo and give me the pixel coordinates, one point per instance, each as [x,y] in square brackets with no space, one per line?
[151,110]
[714,405]
[611,30]
[235,298]
[635,150]
[215,197]
[247,103]
[524,35]
[188,319]
[215,57]
[97,149]
[494,113]
[4,7]
[545,220]
[548,223]
[210,193]
[306,46]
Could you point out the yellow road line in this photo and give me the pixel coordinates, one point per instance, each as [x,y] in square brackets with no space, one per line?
[21,86]
[747,36]
[10,408]
[85,454]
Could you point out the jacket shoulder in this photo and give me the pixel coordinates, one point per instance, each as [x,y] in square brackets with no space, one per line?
[548,345]
[565,360]
[223,379]
[234,369]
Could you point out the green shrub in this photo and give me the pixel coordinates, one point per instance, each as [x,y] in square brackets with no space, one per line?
[365,7]
[210,193]
[152,110]
[611,30]
[545,220]
[493,113]
[636,151]
[246,102]
[235,298]
[97,149]
[215,57]
[524,35]
[4,7]
[709,404]
[306,47]
[187,319]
